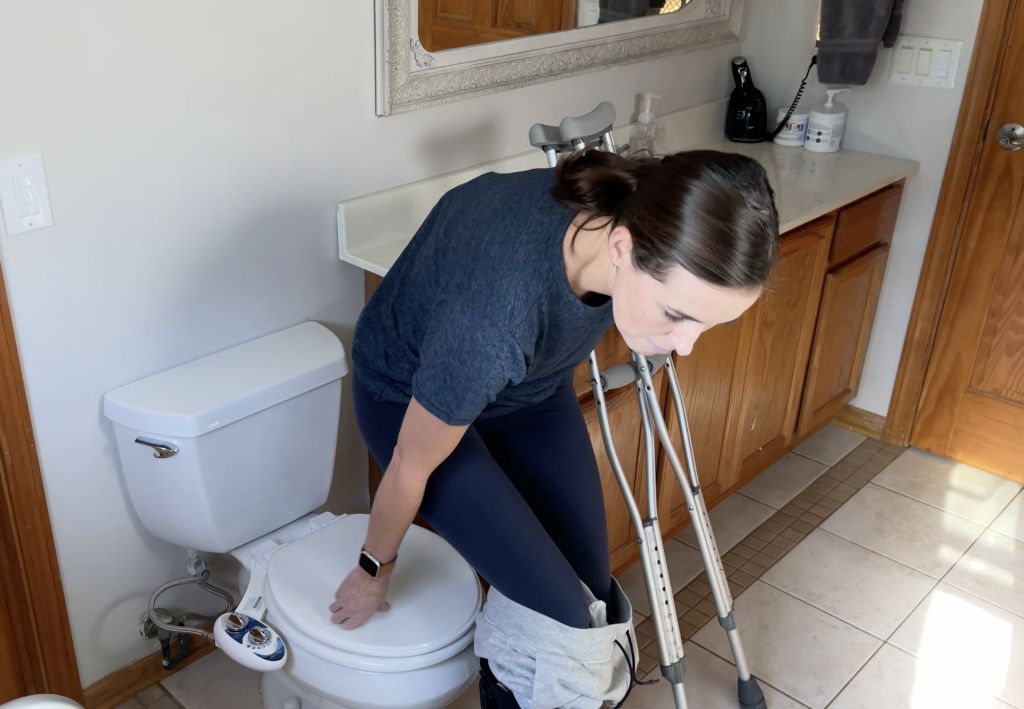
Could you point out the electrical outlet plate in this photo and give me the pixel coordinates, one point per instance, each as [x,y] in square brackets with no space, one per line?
[925,61]
[24,199]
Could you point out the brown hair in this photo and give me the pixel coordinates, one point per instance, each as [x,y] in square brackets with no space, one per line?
[710,212]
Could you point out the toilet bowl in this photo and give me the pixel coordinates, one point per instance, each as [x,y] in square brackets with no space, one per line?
[42,701]
[231,453]
[419,653]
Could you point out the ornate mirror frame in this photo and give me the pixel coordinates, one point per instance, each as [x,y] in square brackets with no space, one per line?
[409,77]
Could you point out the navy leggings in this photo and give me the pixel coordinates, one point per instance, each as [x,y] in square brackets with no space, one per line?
[519,498]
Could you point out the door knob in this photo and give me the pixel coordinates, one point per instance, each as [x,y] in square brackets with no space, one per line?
[1011,136]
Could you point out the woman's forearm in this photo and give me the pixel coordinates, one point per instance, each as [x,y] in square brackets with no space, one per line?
[395,505]
[424,442]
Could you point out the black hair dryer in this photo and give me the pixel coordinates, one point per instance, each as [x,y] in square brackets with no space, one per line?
[747,118]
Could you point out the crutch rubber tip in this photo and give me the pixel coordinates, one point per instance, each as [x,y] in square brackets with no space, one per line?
[751,696]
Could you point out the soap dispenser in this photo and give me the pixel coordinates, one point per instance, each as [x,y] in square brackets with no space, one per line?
[644,135]
[825,124]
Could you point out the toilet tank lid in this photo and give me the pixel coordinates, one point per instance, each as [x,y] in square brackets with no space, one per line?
[221,388]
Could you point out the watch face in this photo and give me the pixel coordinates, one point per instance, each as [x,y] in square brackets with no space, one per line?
[369,565]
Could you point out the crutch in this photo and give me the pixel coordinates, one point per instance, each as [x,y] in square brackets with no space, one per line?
[595,130]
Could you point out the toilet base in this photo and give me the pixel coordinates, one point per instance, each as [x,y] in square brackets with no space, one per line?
[430,688]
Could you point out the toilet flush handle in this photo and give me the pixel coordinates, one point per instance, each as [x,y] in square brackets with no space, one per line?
[160,450]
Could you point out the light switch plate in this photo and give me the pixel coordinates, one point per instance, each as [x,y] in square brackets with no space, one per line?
[24,198]
[925,61]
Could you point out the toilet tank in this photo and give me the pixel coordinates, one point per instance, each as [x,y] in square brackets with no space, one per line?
[224,449]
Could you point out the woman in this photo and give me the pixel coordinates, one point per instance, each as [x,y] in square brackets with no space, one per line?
[463,362]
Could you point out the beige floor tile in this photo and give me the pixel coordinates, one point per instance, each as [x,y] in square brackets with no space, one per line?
[731,520]
[954,487]
[470,699]
[793,646]
[784,480]
[1011,521]
[684,563]
[859,586]
[710,683]
[132,703]
[955,633]
[904,530]
[830,444]
[214,682]
[166,702]
[892,679]
[993,569]
[150,694]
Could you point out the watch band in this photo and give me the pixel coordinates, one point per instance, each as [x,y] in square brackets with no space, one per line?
[373,566]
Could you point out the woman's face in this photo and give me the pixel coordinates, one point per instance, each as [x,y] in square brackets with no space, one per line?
[657,317]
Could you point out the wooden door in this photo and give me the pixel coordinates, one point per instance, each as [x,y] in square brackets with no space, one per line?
[12,676]
[775,342]
[972,407]
[445,24]
[705,381]
[36,653]
[841,338]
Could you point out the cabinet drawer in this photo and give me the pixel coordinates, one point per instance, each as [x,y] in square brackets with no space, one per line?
[865,224]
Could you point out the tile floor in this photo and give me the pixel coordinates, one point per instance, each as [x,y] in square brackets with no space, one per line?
[865,577]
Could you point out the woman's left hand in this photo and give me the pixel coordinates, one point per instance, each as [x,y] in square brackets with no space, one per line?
[358,597]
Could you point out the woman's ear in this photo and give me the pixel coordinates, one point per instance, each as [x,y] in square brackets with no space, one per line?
[620,245]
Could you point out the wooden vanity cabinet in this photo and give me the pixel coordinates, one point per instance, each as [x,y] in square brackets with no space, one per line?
[860,249]
[771,362]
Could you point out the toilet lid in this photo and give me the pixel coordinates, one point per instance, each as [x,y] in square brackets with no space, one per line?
[434,593]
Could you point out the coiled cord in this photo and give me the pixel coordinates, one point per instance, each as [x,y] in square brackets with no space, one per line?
[796,101]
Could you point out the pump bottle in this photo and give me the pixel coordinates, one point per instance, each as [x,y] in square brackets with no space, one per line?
[644,134]
[825,124]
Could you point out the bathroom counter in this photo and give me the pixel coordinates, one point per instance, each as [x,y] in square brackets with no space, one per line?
[374,229]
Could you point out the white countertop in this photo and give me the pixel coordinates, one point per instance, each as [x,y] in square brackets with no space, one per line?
[374,229]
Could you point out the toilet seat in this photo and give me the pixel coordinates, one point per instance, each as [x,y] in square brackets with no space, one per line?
[434,595]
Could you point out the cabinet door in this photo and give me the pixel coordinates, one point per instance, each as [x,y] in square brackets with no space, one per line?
[841,337]
[624,418]
[705,381]
[775,342]
[446,24]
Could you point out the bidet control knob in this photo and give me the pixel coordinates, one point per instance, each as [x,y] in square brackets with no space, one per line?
[259,635]
[234,621]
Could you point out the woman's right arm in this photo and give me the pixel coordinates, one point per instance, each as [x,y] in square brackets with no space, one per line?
[424,442]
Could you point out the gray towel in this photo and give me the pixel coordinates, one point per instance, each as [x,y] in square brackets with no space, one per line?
[850,33]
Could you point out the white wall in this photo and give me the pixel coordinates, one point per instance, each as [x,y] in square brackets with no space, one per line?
[904,121]
[195,153]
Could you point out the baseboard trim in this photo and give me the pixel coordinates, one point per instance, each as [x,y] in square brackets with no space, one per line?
[861,421]
[125,683]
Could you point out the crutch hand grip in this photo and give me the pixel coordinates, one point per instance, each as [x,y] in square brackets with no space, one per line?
[585,127]
[624,374]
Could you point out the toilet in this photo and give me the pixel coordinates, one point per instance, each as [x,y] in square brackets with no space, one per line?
[41,701]
[232,453]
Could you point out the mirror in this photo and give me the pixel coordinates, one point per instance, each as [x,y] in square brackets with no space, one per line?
[411,76]
[447,24]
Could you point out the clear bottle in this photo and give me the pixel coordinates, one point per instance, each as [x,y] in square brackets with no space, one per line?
[644,135]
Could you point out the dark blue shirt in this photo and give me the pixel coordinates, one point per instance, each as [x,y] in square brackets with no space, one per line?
[476,317]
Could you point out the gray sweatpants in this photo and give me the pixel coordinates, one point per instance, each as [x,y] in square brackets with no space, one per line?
[547,664]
